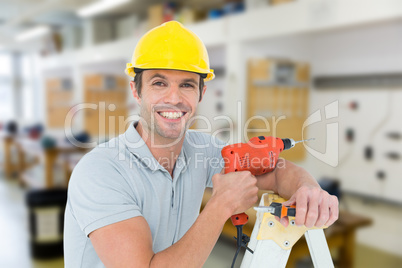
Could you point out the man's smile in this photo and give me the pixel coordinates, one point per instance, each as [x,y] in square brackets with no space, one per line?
[171,114]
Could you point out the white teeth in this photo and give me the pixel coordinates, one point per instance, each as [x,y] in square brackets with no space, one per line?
[171,115]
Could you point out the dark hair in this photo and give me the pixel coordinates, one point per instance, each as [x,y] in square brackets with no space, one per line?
[138,83]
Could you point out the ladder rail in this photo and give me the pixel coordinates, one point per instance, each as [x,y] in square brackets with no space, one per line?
[318,247]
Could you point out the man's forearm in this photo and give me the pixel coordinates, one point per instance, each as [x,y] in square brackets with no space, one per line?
[290,177]
[129,243]
[193,249]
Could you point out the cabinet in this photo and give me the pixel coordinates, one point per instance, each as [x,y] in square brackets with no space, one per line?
[107,109]
[59,95]
[277,100]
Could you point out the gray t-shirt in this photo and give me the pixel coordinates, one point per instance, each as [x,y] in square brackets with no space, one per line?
[121,179]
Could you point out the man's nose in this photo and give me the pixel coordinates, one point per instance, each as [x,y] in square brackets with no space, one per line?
[173,95]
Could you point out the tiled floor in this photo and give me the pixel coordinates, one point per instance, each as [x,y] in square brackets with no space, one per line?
[14,235]
[14,250]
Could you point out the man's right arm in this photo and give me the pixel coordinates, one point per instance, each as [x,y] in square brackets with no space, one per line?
[129,243]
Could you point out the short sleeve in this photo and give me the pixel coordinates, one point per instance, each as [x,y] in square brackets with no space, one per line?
[216,162]
[99,195]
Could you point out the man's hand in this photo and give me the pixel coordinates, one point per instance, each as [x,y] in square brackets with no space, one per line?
[236,191]
[314,207]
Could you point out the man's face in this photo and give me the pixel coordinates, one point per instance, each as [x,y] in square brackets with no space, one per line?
[169,99]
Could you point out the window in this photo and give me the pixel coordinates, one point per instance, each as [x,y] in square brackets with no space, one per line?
[28,86]
[6,92]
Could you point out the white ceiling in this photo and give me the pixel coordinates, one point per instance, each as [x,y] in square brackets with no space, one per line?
[18,15]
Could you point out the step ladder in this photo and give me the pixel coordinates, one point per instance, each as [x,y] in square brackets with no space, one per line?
[272,242]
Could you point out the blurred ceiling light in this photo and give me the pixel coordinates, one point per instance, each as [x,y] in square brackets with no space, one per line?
[33,33]
[99,7]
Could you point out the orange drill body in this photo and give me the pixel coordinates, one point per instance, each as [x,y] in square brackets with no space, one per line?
[259,156]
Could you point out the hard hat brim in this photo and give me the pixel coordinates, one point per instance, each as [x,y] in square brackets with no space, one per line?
[187,68]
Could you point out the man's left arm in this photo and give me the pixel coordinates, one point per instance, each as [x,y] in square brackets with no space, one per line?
[314,206]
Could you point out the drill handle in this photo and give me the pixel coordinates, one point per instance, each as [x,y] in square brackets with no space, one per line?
[239,219]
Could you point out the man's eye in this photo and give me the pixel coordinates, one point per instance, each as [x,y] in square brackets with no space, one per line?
[158,84]
[188,85]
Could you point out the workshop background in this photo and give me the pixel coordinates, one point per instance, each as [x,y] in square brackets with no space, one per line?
[324,69]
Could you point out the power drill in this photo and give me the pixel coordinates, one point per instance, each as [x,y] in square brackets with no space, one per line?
[259,156]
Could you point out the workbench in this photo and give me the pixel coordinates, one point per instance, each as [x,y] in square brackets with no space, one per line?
[47,156]
[13,153]
[9,166]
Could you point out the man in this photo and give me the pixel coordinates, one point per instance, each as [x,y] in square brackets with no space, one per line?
[136,204]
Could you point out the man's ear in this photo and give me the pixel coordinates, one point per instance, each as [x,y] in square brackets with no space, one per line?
[135,92]
[203,92]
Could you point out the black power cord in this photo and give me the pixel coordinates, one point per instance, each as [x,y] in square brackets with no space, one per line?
[242,241]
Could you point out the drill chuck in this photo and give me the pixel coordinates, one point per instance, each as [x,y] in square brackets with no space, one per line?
[288,143]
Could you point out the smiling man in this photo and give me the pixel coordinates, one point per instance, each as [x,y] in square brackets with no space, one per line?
[134,201]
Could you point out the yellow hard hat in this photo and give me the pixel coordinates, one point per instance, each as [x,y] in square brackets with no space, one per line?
[171,46]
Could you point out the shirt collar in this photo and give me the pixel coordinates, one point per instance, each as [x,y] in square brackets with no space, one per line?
[137,146]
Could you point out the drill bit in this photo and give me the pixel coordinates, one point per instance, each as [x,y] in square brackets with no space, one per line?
[311,139]
[290,143]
